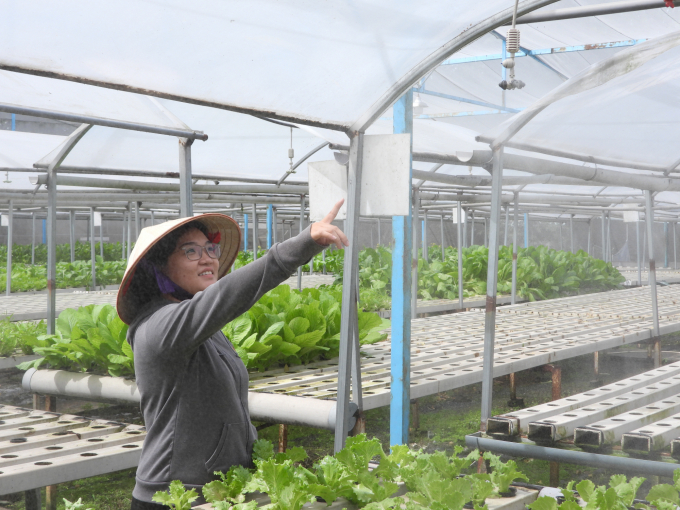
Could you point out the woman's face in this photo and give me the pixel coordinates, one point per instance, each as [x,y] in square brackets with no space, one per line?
[192,275]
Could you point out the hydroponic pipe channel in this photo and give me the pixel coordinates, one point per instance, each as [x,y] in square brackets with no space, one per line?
[627,464]
[267,407]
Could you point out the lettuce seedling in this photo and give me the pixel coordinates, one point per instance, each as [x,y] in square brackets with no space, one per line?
[177,496]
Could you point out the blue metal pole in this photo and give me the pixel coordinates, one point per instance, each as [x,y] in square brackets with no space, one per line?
[14,122]
[44,229]
[423,240]
[270,215]
[245,232]
[526,230]
[400,359]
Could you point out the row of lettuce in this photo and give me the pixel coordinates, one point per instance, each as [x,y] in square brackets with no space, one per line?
[405,479]
[542,273]
[285,327]
[33,277]
[21,253]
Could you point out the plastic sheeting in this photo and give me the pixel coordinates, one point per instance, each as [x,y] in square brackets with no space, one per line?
[318,62]
[479,80]
[75,98]
[442,138]
[239,145]
[21,150]
[624,108]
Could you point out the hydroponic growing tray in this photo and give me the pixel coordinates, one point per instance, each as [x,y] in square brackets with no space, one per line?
[40,448]
[447,350]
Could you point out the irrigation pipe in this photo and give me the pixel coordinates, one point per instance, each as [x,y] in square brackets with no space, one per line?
[627,464]
[267,407]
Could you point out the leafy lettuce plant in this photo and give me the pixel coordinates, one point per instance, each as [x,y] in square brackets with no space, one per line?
[177,496]
[620,495]
[504,473]
[91,338]
[18,336]
[290,327]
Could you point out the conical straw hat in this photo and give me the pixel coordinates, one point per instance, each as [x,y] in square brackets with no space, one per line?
[230,241]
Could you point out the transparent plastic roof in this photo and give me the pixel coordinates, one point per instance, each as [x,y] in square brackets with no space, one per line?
[623,108]
[445,139]
[573,44]
[75,98]
[326,63]
[239,145]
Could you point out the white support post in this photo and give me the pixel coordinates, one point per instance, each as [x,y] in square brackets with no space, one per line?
[491,287]
[507,221]
[461,244]
[92,250]
[302,223]
[649,213]
[639,251]
[425,242]
[72,232]
[10,242]
[123,252]
[414,261]
[51,226]
[515,227]
[256,232]
[441,226]
[138,221]
[604,236]
[465,227]
[185,179]
[33,238]
[350,289]
[129,231]
[101,238]
[472,228]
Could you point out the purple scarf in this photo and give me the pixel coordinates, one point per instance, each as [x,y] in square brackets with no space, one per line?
[165,284]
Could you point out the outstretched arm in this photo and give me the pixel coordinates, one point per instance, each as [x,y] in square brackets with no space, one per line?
[180,328]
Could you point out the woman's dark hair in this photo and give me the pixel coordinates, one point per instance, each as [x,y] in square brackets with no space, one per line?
[143,288]
[159,254]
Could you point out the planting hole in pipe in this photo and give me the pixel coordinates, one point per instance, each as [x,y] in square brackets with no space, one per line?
[88,454]
[18,440]
[95,440]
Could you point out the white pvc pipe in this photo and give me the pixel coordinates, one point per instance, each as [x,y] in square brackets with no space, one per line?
[267,407]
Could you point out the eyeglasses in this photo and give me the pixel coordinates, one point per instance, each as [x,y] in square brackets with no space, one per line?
[195,251]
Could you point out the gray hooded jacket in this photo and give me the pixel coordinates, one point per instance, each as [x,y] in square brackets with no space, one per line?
[193,385]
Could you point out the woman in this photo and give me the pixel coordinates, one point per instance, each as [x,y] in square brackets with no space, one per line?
[176,296]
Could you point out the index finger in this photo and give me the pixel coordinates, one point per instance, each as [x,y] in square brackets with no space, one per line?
[333,212]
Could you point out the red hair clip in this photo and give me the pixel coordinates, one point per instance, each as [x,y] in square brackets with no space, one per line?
[214,237]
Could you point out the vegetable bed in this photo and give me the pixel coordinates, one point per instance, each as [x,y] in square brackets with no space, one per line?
[405,479]
[285,327]
[542,273]
[27,277]
[21,253]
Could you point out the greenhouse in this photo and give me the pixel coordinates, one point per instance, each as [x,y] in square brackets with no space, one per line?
[367,255]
